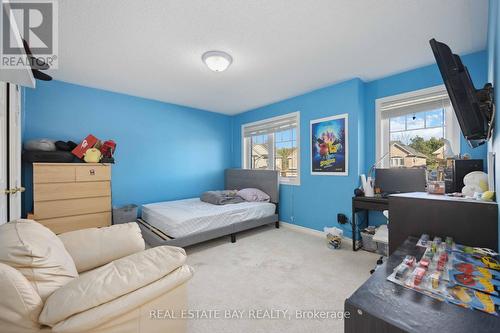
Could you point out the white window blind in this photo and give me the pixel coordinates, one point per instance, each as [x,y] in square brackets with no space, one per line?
[272,126]
[408,105]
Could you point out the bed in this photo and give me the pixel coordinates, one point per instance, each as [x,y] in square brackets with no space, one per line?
[190,221]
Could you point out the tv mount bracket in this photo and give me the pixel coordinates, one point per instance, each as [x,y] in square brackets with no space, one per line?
[486,100]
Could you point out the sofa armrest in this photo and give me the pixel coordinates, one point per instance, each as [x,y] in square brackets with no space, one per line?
[139,304]
[111,282]
[94,247]
[20,304]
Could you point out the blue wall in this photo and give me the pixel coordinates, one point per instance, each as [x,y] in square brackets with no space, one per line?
[164,151]
[494,77]
[317,200]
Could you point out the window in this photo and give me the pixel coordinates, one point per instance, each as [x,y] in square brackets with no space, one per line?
[273,144]
[396,162]
[412,129]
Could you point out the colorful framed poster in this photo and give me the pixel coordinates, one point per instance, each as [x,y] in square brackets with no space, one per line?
[329,146]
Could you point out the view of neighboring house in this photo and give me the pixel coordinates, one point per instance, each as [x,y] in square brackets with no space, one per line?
[260,156]
[286,159]
[405,156]
[439,153]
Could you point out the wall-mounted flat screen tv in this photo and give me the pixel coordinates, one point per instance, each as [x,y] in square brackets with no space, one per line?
[474,108]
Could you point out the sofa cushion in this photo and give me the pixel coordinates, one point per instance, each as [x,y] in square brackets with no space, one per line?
[94,247]
[38,254]
[141,301]
[20,304]
[111,281]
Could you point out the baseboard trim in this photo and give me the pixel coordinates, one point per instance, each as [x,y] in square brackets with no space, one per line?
[302,229]
[310,231]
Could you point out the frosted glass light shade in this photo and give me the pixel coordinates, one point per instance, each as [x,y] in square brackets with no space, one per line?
[217,61]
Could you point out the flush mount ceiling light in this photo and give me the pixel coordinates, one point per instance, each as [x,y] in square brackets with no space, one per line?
[217,61]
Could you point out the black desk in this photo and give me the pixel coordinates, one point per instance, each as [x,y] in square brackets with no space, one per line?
[380,306]
[365,204]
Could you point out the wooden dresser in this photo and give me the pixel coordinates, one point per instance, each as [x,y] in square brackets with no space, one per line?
[71,196]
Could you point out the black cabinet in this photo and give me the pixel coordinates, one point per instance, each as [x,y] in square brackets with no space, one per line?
[455,172]
[380,306]
[469,222]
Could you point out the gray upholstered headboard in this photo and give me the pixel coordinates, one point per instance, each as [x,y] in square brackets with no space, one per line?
[264,180]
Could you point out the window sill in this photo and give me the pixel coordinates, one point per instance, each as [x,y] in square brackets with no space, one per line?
[288,182]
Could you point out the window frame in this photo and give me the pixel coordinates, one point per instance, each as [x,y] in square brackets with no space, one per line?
[246,148]
[399,164]
[382,129]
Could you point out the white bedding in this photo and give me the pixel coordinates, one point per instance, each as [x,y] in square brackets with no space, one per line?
[182,217]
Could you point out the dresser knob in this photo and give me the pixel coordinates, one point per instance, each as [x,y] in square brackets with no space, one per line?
[92,172]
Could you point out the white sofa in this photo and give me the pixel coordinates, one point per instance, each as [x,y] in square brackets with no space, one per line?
[90,280]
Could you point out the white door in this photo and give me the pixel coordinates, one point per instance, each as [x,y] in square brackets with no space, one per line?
[3,152]
[15,152]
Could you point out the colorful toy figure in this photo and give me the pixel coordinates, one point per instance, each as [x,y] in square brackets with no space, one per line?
[464,267]
[419,273]
[424,239]
[434,247]
[470,269]
[429,254]
[401,271]
[491,263]
[478,260]
[469,298]
[443,259]
[409,261]
[435,279]
[475,282]
[424,263]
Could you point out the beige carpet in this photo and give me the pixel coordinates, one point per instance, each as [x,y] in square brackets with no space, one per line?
[269,271]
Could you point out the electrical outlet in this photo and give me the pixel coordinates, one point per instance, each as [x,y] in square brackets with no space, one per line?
[342,219]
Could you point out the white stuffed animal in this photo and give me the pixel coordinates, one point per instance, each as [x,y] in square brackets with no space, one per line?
[475,182]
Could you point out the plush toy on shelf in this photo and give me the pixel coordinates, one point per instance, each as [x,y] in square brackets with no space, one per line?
[93,150]
[475,182]
[108,149]
[92,155]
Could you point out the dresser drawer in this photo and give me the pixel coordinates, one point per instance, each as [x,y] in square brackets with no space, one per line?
[70,223]
[53,173]
[90,173]
[59,208]
[60,191]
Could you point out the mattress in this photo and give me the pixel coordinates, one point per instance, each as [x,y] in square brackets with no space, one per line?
[184,217]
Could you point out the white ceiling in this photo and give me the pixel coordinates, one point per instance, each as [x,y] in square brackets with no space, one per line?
[281,48]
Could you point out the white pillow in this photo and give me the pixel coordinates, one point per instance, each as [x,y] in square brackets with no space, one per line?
[253,194]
